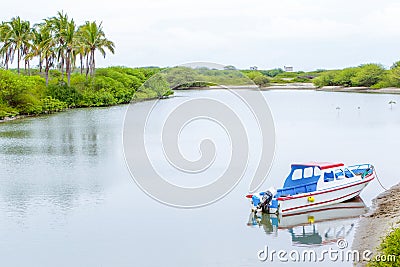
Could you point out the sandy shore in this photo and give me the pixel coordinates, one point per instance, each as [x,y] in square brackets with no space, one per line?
[375,225]
[16,118]
[310,86]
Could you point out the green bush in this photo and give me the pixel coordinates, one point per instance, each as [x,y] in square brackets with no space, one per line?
[389,246]
[261,80]
[325,79]
[6,111]
[93,98]
[272,73]
[345,76]
[50,105]
[257,77]
[390,79]
[64,93]
[368,75]
[21,94]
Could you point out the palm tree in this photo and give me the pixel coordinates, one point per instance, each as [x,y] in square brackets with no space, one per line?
[80,50]
[48,51]
[56,42]
[58,27]
[37,39]
[4,50]
[93,37]
[70,39]
[16,38]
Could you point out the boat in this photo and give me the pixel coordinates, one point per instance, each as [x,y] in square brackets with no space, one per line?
[314,185]
[322,226]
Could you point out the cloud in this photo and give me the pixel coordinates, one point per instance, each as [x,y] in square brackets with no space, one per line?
[304,33]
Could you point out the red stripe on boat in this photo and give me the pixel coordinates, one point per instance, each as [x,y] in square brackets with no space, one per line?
[321,165]
[323,202]
[322,209]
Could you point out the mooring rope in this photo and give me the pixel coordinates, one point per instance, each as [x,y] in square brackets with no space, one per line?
[379,181]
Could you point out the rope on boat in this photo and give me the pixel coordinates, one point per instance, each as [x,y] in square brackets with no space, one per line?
[379,181]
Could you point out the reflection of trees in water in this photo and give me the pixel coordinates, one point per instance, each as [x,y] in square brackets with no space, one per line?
[56,161]
[60,135]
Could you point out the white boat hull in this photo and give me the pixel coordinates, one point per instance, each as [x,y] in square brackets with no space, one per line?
[323,197]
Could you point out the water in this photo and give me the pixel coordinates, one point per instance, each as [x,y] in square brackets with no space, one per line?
[67,199]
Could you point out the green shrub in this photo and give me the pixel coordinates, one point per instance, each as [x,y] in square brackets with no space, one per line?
[261,80]
[272,73]
[92,98]
[368,75]
[389,246]
[6,111]
[344,77]
[50,105]
[64,93]
[392,77]
[325,79]
[159,85]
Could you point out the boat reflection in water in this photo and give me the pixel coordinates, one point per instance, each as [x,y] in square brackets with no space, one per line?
[313,228]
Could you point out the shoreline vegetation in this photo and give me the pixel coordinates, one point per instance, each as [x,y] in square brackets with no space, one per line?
[64,73]
[379,230]
[34,92]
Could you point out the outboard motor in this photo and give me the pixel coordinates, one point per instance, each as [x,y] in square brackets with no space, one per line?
[264,203]
[266,199]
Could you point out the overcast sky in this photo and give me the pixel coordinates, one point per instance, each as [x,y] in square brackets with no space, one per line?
[306,34]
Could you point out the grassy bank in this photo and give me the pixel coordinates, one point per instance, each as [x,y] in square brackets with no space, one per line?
[29,95]
[388,251]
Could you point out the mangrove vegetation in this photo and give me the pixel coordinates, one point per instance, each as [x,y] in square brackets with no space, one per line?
[51,66]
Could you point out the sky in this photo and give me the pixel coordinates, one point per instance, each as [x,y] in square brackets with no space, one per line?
[305,34]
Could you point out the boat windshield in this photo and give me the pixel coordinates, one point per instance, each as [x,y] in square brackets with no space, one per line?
[338,174]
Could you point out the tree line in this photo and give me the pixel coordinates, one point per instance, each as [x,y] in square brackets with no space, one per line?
[366,75]
[57,42]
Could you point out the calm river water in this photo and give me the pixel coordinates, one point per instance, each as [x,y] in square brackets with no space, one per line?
[67,198]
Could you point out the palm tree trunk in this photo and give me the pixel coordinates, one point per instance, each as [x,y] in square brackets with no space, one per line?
[47,77]
[24,52]
[87,65]
[18,59]
[62,67]
[6,61]
[40,63]
[93,65]
[68,67]
[81,59]
[47,71]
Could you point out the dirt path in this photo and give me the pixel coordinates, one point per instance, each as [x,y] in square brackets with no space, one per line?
[374,225]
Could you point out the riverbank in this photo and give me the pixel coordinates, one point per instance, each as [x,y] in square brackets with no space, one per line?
[291,86]
[6,119]
[310,86]
[377,224]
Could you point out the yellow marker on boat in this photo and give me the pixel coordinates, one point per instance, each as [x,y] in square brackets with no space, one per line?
[311,219]
[311,199]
